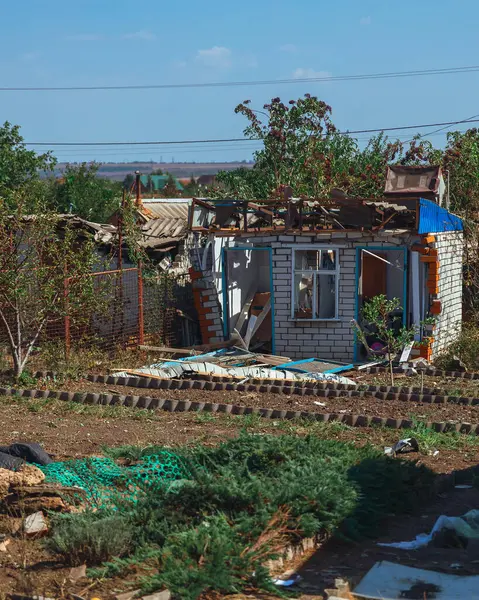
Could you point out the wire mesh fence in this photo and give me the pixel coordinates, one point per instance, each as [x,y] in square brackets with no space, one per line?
[134,308]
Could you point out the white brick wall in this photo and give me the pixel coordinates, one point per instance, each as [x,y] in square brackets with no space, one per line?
[448,326]
[326,339]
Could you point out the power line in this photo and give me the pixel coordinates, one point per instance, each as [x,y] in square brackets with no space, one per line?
[230,140]
[441,129]
[329,79]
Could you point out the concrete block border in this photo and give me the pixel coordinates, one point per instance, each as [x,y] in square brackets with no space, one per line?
[173,405]
[433,371]
[322,390]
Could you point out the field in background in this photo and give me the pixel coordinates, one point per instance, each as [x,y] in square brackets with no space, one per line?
[118,171]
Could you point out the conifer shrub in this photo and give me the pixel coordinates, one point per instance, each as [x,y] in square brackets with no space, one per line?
[247,499]
[90,537]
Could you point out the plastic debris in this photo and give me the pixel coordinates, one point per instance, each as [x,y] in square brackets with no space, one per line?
[287,582]
[164,595]
[389,581]
[128,595]
[29,451]
[463,528]
[402,447]
[103,480]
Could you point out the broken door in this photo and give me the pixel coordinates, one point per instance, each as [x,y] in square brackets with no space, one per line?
[248,304]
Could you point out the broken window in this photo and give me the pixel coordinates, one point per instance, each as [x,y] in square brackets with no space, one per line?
[315,284]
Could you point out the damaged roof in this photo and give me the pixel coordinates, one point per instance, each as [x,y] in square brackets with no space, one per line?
[166,222]
[401,180]
[163,233]
[165,208]
[225,217]
[102,232]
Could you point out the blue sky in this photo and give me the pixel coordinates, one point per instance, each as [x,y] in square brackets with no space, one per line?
[107,42]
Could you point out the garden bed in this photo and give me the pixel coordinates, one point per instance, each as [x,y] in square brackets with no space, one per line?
[75,430]
[331,404]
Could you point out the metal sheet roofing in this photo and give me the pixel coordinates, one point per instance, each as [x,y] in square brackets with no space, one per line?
[159,233]
[165,210]
[435,219]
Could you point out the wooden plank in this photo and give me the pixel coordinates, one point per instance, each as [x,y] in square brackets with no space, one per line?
[406,352]
[245,310]
[249,330]
[185,351]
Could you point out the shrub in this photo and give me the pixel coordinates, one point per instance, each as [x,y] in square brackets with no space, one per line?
[466,348]
[245,499]
[90,538]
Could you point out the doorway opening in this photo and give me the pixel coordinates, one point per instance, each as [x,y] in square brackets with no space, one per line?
[380,271]
[248,296]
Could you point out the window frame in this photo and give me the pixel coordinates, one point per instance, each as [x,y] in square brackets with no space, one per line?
[335,272]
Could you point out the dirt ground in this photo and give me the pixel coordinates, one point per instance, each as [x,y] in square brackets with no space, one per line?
[369,405]
[336,560]
[71,430]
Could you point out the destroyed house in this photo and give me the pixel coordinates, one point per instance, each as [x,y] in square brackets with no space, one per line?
[291,275]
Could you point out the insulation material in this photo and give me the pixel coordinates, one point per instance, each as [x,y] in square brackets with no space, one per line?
[184,368]
[389,581]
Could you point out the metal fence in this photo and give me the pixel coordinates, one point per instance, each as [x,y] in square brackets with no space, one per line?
[136,309]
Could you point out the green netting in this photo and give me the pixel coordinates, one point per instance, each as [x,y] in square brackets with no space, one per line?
[103,481]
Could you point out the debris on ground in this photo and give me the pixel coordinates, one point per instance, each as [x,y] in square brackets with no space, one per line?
[35,525]
[341,591]
[28,475]
[402,447]
[127,595]
[292,580]
[164,595]
[77,573]
[390,581]
[28,451]
[243,365]
[458,365]
[447,532]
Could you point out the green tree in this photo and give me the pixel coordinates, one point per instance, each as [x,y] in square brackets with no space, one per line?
[461,160]
[191,188]
[304,150]
[82,192]
[128,181]
[170,190]
[37,255]
[379,315]
[19,166]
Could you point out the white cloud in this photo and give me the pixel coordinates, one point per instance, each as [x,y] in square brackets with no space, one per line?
[217,56]
[365,21]
[143,34]
[289,48]
[309,73]
[85,37]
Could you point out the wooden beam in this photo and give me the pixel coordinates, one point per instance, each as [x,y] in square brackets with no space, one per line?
[185,351]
